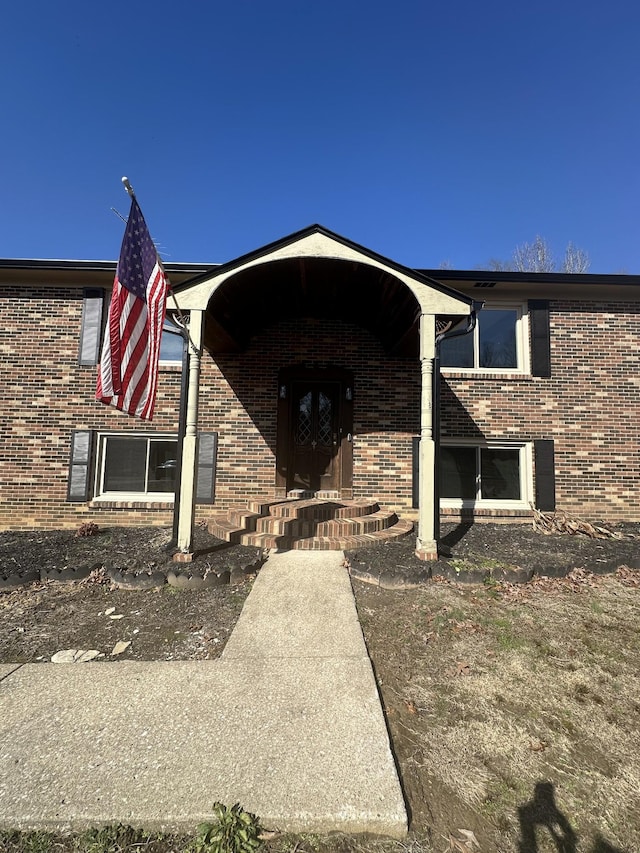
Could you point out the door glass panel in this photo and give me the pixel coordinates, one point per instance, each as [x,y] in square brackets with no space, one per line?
[500,474]
[458,472]
[325,420]
[304,421]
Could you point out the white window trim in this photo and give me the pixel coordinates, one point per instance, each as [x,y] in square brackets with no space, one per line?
[526,475]
[523,350]
[127,497]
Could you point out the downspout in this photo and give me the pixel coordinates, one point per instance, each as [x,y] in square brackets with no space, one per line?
[445,336]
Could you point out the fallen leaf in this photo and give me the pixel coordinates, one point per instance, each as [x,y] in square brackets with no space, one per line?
[538,745]
[411,706]
[121,646]
[471,841]
[456,845]
[74,655]
[462,668]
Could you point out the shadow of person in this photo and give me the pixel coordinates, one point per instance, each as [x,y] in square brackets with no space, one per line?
[543,812]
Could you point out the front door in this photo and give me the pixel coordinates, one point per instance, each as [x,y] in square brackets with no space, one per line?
[314,436]
[315,422]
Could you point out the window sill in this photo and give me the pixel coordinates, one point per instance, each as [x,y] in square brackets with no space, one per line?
[163,500]
[471,373]
[480,506]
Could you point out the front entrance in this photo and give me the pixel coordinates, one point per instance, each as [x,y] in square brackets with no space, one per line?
[315,423]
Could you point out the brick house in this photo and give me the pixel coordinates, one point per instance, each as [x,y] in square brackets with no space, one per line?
[369,391]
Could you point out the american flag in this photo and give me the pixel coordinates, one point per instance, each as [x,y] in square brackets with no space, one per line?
[128,370]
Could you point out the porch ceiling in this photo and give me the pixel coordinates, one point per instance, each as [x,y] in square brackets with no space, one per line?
[325,288]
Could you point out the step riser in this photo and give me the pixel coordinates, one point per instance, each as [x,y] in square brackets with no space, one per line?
[299,529]
[324,511]
[327,543]
[308,524]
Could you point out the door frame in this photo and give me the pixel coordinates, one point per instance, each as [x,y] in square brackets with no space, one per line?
[344,379]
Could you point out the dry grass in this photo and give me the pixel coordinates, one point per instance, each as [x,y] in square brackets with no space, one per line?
[500,689]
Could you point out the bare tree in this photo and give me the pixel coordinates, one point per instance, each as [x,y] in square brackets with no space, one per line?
[538,257]
[496,265]
[575,260]
[534,257]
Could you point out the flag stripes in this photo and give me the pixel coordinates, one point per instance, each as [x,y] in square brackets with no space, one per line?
[128,371]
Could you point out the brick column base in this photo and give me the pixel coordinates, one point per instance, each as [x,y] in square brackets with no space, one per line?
[426,550]
[182,557]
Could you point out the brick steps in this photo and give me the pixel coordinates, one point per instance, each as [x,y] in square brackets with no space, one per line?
[309,524]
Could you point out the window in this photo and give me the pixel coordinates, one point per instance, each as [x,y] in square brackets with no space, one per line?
[142,467]
[93,328]
[498,342]
[492,474]
[171,343]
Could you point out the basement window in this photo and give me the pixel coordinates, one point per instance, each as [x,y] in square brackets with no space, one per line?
[136,467]
[490,475]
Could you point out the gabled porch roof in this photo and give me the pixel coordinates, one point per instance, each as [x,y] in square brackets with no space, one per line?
[317,273]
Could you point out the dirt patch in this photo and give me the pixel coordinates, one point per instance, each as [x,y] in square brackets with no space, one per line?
[513,709]
[164,623]
[501,551]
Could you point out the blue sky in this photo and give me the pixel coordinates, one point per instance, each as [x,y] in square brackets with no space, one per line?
[428,132]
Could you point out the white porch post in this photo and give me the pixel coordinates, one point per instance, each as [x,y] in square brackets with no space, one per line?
[426,546]
[190,442]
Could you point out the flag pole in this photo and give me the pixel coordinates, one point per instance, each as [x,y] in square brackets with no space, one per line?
[184,379]
[128,187]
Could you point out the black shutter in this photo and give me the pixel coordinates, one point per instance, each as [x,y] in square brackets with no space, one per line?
[415,472]
[540,337]
[206,479]
[80,464]
[91,332]
[545,475]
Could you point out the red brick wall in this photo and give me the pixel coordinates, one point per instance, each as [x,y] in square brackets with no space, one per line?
[589,406]
[54,395]
[46,395]
[243,410]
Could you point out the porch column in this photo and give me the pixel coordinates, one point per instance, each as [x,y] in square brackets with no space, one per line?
[190,442]
[426,545]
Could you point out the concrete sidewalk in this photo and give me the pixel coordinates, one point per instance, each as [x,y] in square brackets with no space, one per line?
[288,723]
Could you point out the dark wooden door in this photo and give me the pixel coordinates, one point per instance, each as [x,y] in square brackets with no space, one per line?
[314,436]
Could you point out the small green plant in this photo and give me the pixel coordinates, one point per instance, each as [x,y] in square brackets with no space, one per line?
[492,587]
[35,841]
[233,830]
[114,838]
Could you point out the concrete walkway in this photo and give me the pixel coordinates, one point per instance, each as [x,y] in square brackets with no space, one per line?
[287,722]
